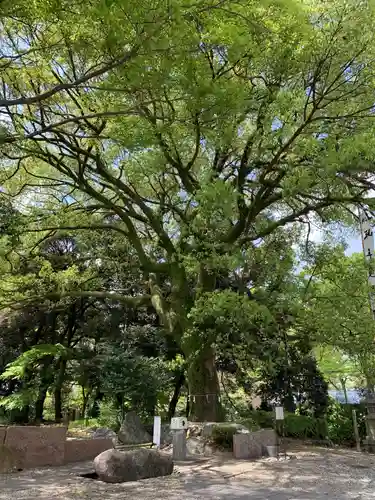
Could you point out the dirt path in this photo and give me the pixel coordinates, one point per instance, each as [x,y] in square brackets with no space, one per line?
[315,474]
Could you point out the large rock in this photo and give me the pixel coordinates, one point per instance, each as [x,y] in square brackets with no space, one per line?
[114,466]
[104,432]
[132,430]
[197,446]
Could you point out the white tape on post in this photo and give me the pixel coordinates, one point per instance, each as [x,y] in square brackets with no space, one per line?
[157,431]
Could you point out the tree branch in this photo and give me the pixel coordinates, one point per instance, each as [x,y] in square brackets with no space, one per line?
[143,300]
[6,103]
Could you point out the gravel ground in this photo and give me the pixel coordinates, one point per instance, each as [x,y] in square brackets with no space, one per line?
[314,474]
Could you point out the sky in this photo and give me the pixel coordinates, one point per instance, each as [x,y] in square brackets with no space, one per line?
[352,239]
[355,245]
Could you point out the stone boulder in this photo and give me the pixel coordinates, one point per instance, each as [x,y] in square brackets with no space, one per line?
[197,446]
[114,466]
[104,433]
[132,430]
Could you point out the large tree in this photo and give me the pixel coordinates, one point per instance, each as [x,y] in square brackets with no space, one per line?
[194,130]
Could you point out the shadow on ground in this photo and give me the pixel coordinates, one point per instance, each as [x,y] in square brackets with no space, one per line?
[314,475]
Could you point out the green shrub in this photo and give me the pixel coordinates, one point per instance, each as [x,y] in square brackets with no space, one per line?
[263,419]
[340,423]
[304,426]
[337,426]
[109,415]
[250,424]
[222,436]
[297,426]
[83,423]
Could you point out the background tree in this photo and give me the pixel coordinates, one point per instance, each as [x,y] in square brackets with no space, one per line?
[337,297]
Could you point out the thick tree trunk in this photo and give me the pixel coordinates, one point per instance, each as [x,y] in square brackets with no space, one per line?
[180,380]
[204,388]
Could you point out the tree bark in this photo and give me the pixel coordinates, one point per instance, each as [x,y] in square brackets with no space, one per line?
[58,391]
[57,396]
[343,385]
[85,400]
[180,380]
[46,378]
[39,404]
[204,388]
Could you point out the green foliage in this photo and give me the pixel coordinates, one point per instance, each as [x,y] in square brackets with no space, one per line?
[338,368]
[30,359]
[337,427]
[337,298]
[340,423]
[295,426]
[109,415]
[204,137]
[222,436]
[134,378]
[84,423]
[264,419]
[295,380]
[18,400]
[305,427]
[252,423]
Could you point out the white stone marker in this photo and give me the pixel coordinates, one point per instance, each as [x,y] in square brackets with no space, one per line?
[157,431]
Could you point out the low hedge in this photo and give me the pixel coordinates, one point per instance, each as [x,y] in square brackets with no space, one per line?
[305,427]
[222,436]
[296,426]
[264,419]
[336,427]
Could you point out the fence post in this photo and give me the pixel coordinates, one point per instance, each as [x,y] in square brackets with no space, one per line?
[356,432]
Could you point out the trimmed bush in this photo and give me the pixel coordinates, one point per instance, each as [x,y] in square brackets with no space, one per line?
[250,424]
[305,427]
[337,426]
[296,426]
[222,436]
[263,419]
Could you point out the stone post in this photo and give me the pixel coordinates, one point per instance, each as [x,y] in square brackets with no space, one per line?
[179,445]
